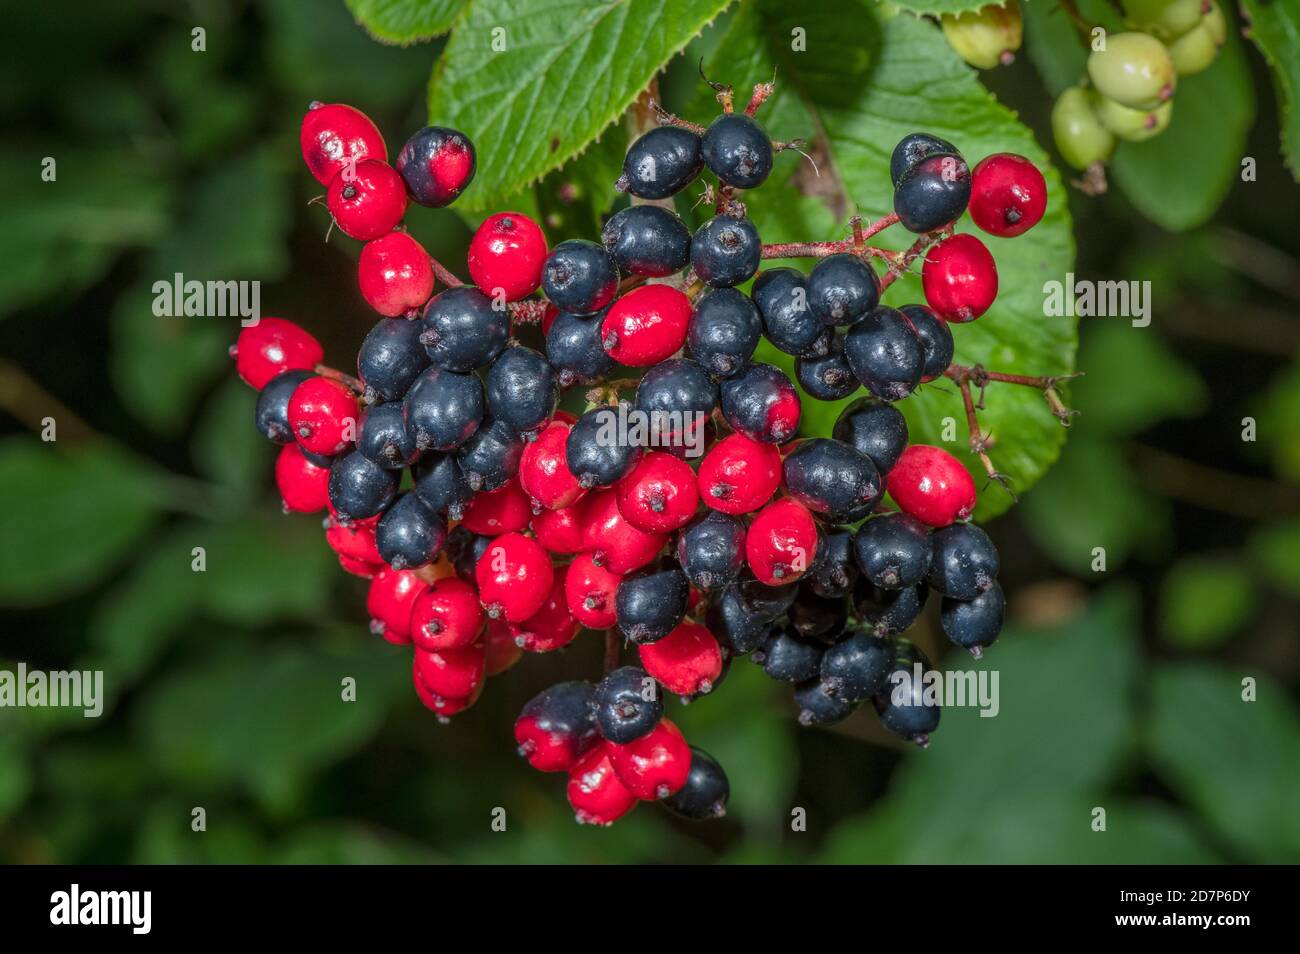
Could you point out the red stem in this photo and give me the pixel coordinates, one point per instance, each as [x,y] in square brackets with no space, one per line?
[444,276]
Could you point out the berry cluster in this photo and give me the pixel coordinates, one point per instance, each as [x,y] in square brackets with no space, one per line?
[491,523]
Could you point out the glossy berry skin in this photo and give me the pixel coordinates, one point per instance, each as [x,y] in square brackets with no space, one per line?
[781,295]
[712,550]
[726,251]
[443,409]
[911,149]
[390,600]
[893,550]
[506,256]
[659,494]
[1008,195]
[655,765]
[463,548]
[544,471]
[738,151]
[932,485]
[768,600]
[593,453]
[272,412]
[842,289]
[451,673]
[933,193]
[724,330]
[354,539]
[521,389]
[446,615]
[817,706]
[323,415]
[560,531]
[901,705]
[661,163]
[874,428]
[888,612]
[390,359]
[490,459]
[437,164]
[936,340]
[574,349]
[647,240]
[370,203]
[383,437]
[857,668]
[646,325]
[761,403]
[886,354]
[976,623]
[835,571]
[828,377]
[788,657]
[514,577]
[650,602]
[615,543]
[965,562]
[735,623]
[334,135]
[678,398]
[832,478]
[738,475]
[303,486]
[360,488]
[812,616]
[556,727]
[781,544]
[441,484]
[394,274]
[595,792]
[409,534]
[627,705]
[462,329]
[705,794]
[272,347]
[686,662]
[495,512]
[580,277]
[499,649]
[589,591]
[551,627]
[959,278]
[1134,69]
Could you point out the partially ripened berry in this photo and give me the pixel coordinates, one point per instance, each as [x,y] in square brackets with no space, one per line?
[495,512]
[303,485]
[932,193]
[272,412]
[369,203]
[595,793]
[274,346]
[893,550]
[390,359]
[835,571]
[394,274]
[739,475]
[902,704]
[737,151]
[409,534]
[446,615]
[323,415]
[1008,194]
[334,136]
[888,612]
[462,329]
[574,349]
[932,485]
[911,149]
[655,765]
[975,623]
[789,657]
[712,550]
[506,256]
[781,295]
[936,340]
[589,590]
[383,436]
[491,457]
[857,667]
[646,325]
[705,794]
[726,251]
[832,478]
[360,488]
[781,544]
[544,472]
[960,278]
[443,408]
[580,277]
[724,330]
[650,602]
[817,706]
[661,163]
[1133,69]
[627,704]
[842,289]
[761,403]
[1079,134]
[594,452]
[521,389]
[551,627]
[686,662]
[514,577]
[441,484]
[647,240]
[965,562]
[437,165]
[875,428]
[678,398]
[828,377]
[389,601]
[556,727]
[659,494]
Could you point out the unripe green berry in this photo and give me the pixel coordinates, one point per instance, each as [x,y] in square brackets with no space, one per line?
[1079,135]
[1164,19]
[987,37]
[1133,69]
[1194,51]
[1133,125]
[1216,23]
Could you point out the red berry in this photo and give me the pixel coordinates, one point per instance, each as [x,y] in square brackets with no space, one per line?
[452,673]
[686,661]
[1008,194]
[392,595]
[506,256]
[614,543]
[960,278]
[561,531]
[447,615]
[557,726]
[595,792]
[395,274]
[932,486]
[360,568]
[655,765]
[370,202]
[589,592]
[442,706]
[354,539]
[552,626]
[739,475]
[659,494]
[492,513]
[323,414]
[514,577]
[544,470]
[303,486]
[781,544]
[333,135]
[646,325]
[500,647]
[271,347]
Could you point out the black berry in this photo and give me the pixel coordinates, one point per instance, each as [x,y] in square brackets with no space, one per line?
[409,534]
[574,349]
[827,377]
[888,612]
[521,389]
[885,353]
[705,794]
[725,251]
[592,451]
[627,705]
[679,397]
[712,550]
[911,149]
[965,562]
[437,165]
[781,296]
[661,163]
[647,240]
[738,151]
[490,458]
[857,667]
[788,657]
[272,413]
[463,329]
[875,428]
[442,485]
[650,603]
[832,478]
[360,488]
[932,193]
[443,408]
[813,616]
[384,438]
[736,624]
[901,704]
[580,277]
[834,571]
[761,403]
[936,340]
[725,329]
[893,550]
[390,359]
[842,289]
[817,706]
[974,624]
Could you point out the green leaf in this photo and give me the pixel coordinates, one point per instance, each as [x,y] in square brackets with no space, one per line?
[1204,600]
[226,447]
[1277,550]
[1275,28]
[1279,422]
[341,843]
[1234,760]
[568,70]
[406,21]
[76,514]
[1053,41]
[861,86]
[1133,380]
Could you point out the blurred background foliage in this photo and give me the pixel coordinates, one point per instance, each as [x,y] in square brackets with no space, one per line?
[1120,688]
